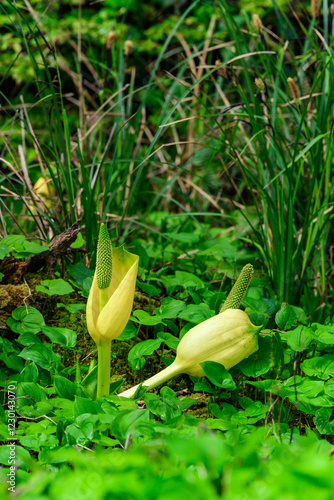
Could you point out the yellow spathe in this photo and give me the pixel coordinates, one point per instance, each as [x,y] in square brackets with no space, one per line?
[111,321]
[227,338]
[44,191]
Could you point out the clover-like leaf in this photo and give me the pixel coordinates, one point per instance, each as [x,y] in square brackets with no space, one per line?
[54,287]
[26,319]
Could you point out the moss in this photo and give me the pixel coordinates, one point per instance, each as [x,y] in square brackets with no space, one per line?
[142,301]
[200,409]
[11,297]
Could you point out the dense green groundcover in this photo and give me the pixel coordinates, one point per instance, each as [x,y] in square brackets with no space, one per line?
[183,458]
[256,430]
[200,133]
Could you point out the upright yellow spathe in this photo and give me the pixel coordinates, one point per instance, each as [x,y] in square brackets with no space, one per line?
[109,323]
[110,302]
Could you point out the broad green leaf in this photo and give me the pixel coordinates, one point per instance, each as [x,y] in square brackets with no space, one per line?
[83,405]
[161,407]
[145,348]
[86,285]
[196,313]
[42,355]
[128,333]
[12,361]
[170,308]
[64,387]
[265,385]
[13,242]
[30,248]
[4,251]
[245,402]
[80,272]
[184,237]
[329,388]
[256,408]
[168,339]
[310,388]
[227,410]
[220,248]
[29,373]
[90,382]
[22,456]
[320,366]
[26,319]
[140,250]
[29,393]
[188,280]
[254,411]
[204,386]
[260,362]
[144,318]
[147,288]
[218,375]
[301,315]
[299,338]
[286,317]
[323,401]
[62,336]
[79,241]
[257,318]
[322,421]
[72,308]
[167,405]
[256,304]
[220,424]
[125,423]
[114,386]
[27,339]
[308,393]
[55,287]
[324,334]
[57,455]
[216,300]
[35,442]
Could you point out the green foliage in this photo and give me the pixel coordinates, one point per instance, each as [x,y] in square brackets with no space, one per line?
[54,287]
[218,375]
[19,247]
[201,170]
[26,319]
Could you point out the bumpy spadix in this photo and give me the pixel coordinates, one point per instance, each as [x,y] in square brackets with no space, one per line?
[234,298]
[103,259]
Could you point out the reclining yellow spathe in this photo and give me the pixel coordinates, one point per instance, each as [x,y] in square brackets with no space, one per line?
[227,338]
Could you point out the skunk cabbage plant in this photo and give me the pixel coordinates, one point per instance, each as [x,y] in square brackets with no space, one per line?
[227,338]
[110,301]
